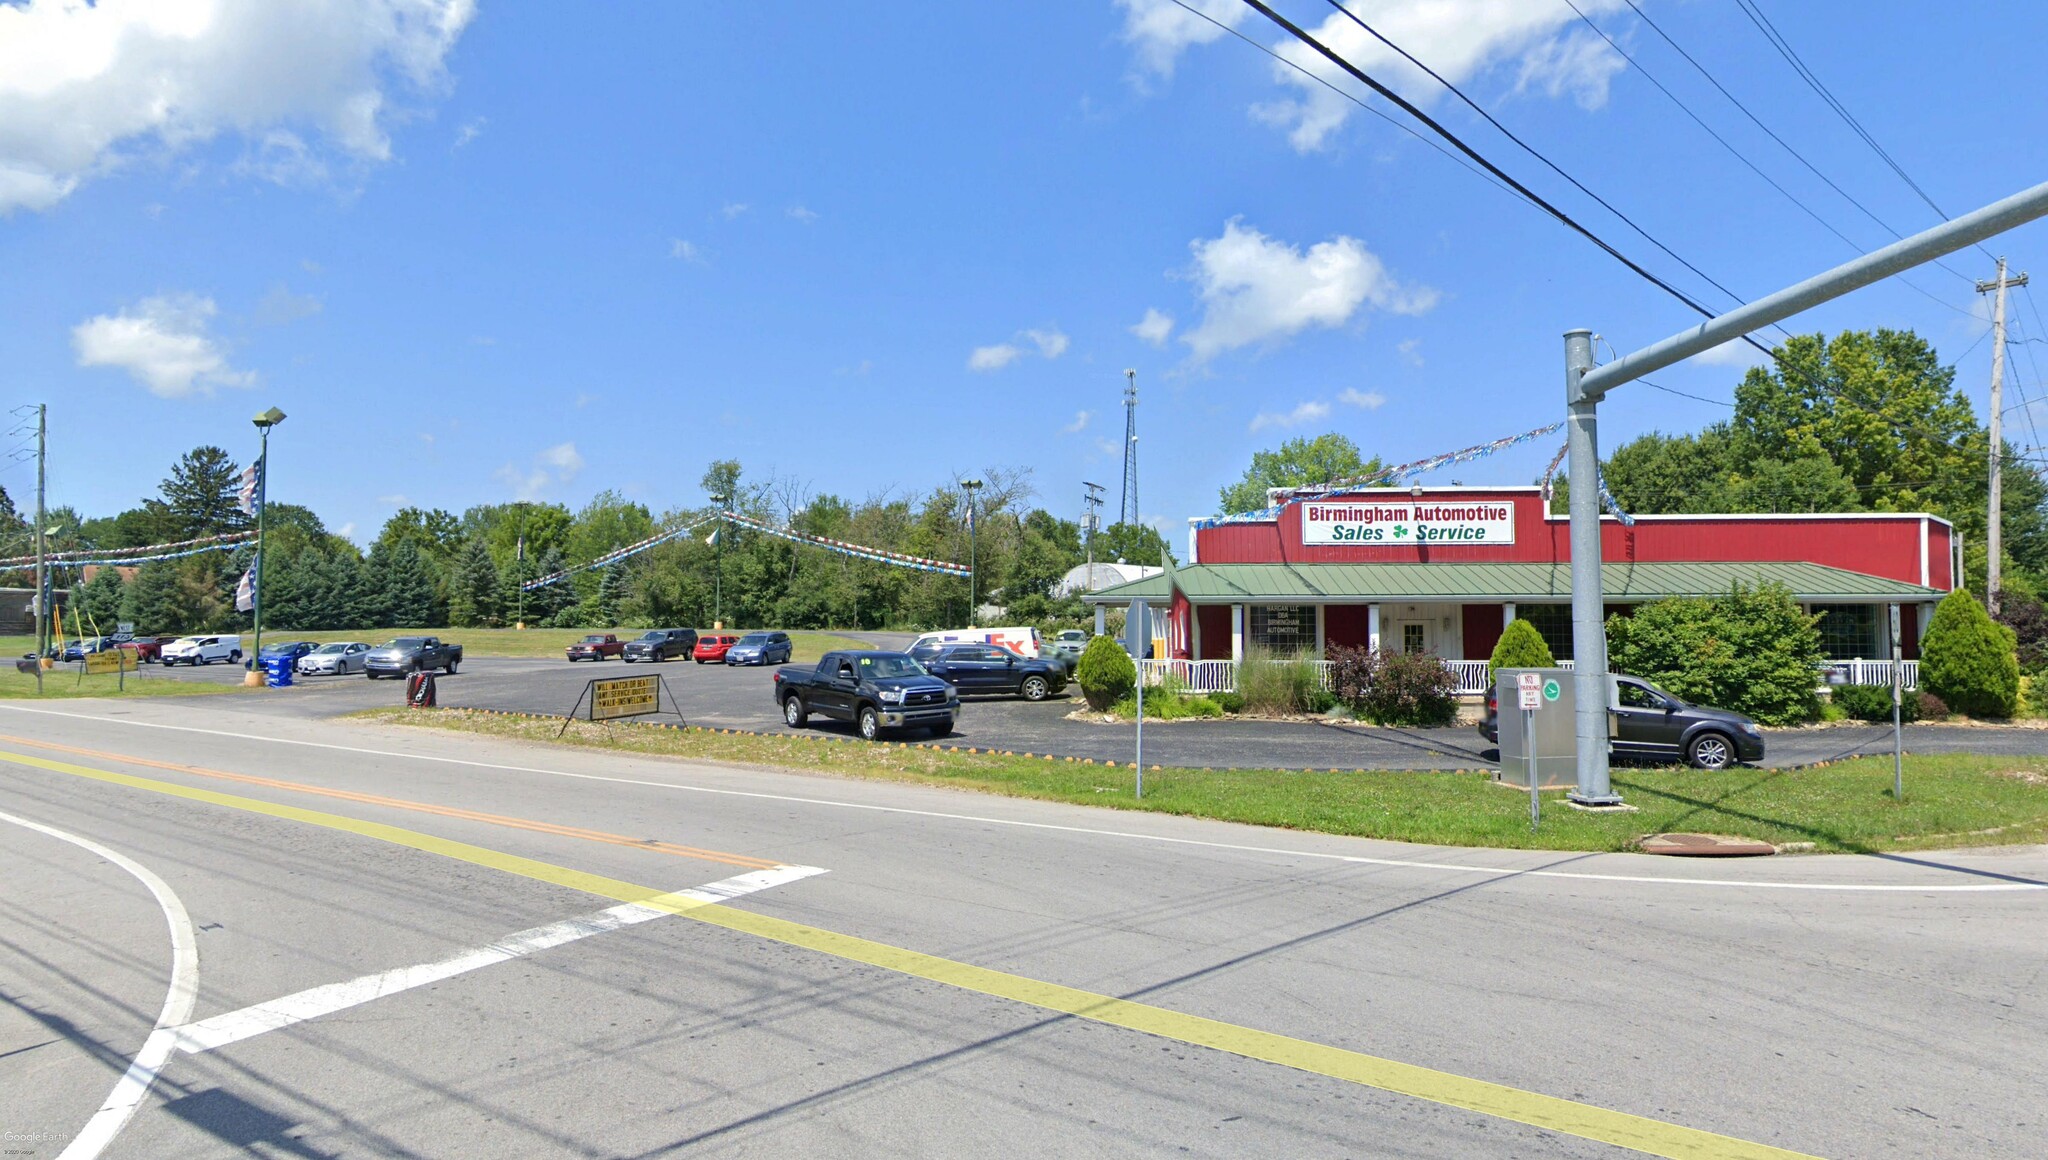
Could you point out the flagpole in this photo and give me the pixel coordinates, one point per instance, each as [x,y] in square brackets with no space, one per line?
[264,423]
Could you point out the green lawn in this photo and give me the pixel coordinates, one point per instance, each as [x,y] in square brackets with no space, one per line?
[493,642]
[1957,800]
[63,681]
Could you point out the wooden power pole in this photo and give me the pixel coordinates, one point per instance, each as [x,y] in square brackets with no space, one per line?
[1993,532]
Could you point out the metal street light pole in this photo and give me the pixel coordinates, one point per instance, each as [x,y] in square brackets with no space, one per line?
[718,564]
[1586,385]
[972,486]
[264,423]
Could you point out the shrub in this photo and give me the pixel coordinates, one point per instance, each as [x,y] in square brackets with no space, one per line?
[1276,687]
[1750,651]
[1320,700]
[1932,708]
[1968,660]
[1405,689]
[1105,674]
[1520,647]
[2034,695]
[1228,702]
[2028,620]
[1874,703]
[1167,707]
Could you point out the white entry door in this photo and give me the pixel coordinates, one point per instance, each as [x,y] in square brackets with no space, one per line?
[1409,636]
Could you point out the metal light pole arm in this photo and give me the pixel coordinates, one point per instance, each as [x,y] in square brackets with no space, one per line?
[1946,238]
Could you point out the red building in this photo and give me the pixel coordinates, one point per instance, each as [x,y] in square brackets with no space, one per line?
[1442,570]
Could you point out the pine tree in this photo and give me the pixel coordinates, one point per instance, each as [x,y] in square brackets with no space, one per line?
[202,494]
[473,591]
[1520,647]
[407,595]
[545,603]
[154,599]
[611,595]
[1969,660]
[98,601]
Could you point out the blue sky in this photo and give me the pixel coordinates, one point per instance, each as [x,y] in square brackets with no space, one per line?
[494,251]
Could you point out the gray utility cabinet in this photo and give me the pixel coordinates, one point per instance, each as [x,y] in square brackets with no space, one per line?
[1550,739]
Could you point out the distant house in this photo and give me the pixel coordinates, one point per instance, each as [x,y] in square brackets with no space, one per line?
[15,618]
[1095,577]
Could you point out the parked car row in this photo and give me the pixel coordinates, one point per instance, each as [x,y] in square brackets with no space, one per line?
[664,644]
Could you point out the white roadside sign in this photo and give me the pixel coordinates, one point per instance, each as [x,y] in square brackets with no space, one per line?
[1397,524]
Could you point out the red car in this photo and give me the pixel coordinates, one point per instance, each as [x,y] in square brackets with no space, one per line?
[712,649]
[148,649]
[596,647]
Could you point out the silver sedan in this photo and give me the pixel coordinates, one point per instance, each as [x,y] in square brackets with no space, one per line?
[340,658]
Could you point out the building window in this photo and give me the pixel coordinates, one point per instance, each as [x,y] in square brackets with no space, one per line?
[1554,623]
[1848,632]
[1283,628]
[1412,639]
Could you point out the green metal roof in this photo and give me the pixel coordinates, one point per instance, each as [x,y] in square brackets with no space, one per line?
[1532,583]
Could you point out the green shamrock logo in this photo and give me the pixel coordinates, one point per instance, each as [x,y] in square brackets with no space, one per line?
[1400,531]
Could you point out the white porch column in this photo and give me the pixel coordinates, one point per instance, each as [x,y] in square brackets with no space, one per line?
[1507,614]
[1322,650]
[1237,632]
[1099,629]
[1372,627]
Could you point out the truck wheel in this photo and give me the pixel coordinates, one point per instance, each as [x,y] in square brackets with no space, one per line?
[1711,751]
[1035,689]
[794,714]
[870,723]
[451,667]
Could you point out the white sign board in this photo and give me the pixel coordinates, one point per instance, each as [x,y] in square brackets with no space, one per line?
[1529,682]
[1398,524]
[1532,699]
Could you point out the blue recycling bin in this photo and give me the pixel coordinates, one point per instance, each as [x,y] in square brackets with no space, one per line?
[278,672]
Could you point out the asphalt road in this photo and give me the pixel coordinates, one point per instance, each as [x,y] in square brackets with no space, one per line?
[928,973]
[741,698]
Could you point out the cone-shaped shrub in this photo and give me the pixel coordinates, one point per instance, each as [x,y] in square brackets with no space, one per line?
[1520,647]
[1968,660]
[1105,674]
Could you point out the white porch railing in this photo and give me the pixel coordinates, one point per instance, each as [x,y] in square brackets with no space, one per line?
[1221,676]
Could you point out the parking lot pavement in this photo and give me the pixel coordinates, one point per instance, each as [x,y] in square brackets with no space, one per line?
[741,698]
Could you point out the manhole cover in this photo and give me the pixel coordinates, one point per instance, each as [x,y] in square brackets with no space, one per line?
[1705,846]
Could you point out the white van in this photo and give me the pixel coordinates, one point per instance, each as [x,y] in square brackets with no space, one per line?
[1022,641]
[203,650]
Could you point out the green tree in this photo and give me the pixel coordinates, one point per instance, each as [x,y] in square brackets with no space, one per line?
[1968,660]
[155,601]
[98,601]
[1132,544]
[1751,650]
[435,533]
[1520,647]
[202,495]
[611,596]
[1301,462]
[545,603]
[473,591]
[407,595]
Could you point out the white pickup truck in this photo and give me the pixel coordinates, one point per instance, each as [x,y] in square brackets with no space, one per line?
[203,650]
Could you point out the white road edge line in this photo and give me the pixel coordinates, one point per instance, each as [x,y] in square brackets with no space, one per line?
[1495,871]
[235,1026]
[133,1086]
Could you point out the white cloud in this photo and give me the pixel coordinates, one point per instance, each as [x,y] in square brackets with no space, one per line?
[346,531]
[1051,343]
[994,358]
[1366,400]
[801,214]
[1254,288]
[1107,447]
[1079,424]
[558,464]
[163,344]
[1733,353]
[427,437]
[733,209]
[393,500]
[685,251]
[87,88]
[1161,30]
[1410,350]
[1154,327]
[1308,412]
[1460,39]
[470,131]
[281,306]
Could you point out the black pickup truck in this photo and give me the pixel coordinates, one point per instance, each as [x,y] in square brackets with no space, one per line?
[874,690]
[411,654]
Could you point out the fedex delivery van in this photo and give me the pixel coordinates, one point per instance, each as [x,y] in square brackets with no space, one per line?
[1022,641]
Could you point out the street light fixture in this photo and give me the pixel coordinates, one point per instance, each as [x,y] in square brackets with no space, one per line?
[264,422]
[718,565]
[971,486]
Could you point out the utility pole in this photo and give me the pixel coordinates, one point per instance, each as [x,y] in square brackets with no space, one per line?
[1127,512]
[1091,509]
[42,564]
[972,487]
[1994,533]
[718,564]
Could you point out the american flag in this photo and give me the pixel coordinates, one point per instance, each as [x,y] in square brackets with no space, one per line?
[251,479]
[245,592]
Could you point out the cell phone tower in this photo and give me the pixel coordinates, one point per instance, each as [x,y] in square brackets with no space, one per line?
[1127,512]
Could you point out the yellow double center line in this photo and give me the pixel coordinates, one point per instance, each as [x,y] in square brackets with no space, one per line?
[1639,1133]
